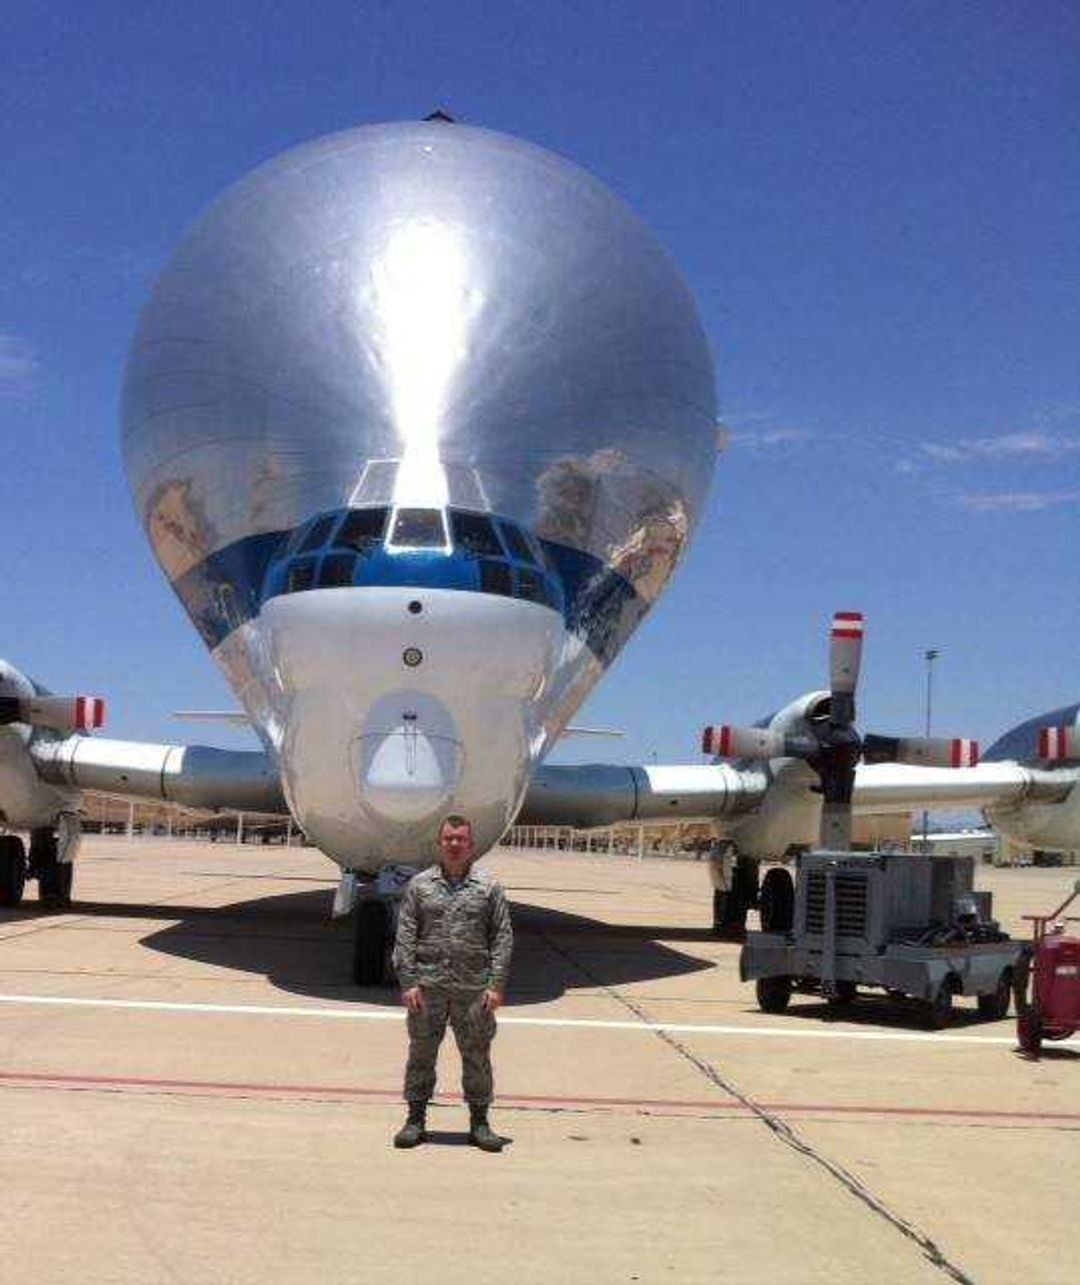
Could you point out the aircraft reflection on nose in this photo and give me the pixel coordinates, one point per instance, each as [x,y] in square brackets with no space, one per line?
[408,758]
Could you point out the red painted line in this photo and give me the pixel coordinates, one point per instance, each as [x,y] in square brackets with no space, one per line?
[40,1079]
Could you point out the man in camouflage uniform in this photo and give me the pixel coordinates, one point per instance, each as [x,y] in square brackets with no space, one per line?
[452,957]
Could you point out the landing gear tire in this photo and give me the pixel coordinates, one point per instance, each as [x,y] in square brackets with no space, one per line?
[54,877]
[730,907]
[724,913]
[777,901]
[995,1006]
[371,953]
[55,880]
[773,993]
[12,869]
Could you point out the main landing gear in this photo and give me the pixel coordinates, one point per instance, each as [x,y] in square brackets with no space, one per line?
[12,869]
[51,863]
[736,892]
[55,877]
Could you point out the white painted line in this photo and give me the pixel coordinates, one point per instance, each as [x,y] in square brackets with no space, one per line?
[814,1032]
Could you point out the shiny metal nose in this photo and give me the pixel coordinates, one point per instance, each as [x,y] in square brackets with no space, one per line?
[408,759]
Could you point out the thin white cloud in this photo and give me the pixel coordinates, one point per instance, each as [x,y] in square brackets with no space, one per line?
[1006,446]
[768,438]
[938,451]
[19,366]
[1016,501]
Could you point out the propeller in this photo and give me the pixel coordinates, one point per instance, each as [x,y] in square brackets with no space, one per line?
[1059,744]
[58,713]
[832,746]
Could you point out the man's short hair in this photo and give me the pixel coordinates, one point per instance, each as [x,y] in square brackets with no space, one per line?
[454,822]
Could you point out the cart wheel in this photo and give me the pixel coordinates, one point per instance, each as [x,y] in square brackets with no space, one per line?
[939,1010]
[1029,1033]
[995,1006]
[776,901]
[773,993]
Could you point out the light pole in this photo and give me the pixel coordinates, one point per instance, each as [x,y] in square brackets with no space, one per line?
[930,655]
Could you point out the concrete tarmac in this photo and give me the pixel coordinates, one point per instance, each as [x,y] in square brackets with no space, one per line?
[195,1092]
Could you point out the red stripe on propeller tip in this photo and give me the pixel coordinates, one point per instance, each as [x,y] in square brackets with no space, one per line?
[724,748]
[848,624]
[89,713]
[1052,742]
[707,741]
[965,753]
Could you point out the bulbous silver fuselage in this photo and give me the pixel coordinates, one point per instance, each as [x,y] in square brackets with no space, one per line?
[417,389]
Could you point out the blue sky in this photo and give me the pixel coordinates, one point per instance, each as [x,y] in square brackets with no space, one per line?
[875,204]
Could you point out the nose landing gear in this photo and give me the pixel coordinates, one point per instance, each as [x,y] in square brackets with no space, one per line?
[375,911]
[373,943]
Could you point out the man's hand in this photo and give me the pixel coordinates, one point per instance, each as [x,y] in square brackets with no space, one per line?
[493,1000]
[413,999]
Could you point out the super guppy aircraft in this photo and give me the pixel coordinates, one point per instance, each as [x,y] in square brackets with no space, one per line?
[419,420]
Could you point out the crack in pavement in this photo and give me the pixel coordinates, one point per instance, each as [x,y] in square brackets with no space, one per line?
[780,1129]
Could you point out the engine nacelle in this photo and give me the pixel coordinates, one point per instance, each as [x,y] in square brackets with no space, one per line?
[26,802]
[789,812]
[795,722]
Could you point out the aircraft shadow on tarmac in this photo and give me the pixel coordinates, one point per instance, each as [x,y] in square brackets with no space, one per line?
[291,940]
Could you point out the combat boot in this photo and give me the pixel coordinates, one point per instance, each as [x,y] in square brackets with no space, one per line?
[481,1133]
[412,1132]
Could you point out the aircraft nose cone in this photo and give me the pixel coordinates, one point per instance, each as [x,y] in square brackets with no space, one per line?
[408,758]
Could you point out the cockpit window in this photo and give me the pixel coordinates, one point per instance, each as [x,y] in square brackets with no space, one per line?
[531,586]
[301,576]
[495,577]
[363,529]
[418,529]
[337,570]
[316,537]
[517,544]
[475,533]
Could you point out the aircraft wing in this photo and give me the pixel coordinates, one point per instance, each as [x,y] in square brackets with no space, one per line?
[895,787]
[195,776]
[597,794]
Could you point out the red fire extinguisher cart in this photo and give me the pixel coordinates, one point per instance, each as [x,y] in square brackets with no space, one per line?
[1047,981]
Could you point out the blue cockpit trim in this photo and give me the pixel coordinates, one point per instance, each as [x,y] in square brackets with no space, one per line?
[230,587]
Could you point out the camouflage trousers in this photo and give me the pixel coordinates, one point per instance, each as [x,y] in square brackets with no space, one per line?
[474,1029]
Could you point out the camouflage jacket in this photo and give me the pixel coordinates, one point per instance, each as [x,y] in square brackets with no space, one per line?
[453,938]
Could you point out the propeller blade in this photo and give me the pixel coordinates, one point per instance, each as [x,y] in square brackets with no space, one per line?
[59,713]
[742,742]
[845,657]
[1059,744]
[921,751]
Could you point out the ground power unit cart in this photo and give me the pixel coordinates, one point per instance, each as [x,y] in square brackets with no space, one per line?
[909,924]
